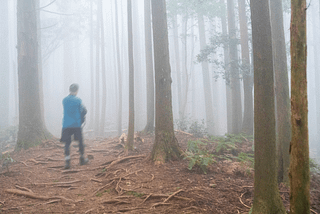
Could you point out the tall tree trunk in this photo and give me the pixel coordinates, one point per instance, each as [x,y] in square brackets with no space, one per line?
[4,65]
[97,92]
[91,68]
[247,126]
[266,193]
[103,74]
[227,67]
[166,145]
[206,80]
[234,71]
[299,147]
[185,73]
[149,67]
[138,98]
[317,92]
[283,126]
[130,139]
[119,120]
[177,64]
[31,127]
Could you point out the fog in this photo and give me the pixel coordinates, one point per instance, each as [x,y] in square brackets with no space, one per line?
[68,28]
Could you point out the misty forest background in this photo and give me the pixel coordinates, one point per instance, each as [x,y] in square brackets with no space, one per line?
[210,45]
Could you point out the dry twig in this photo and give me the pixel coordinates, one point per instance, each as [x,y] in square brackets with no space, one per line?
[23,188]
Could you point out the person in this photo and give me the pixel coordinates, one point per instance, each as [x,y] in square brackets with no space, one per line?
[73,113]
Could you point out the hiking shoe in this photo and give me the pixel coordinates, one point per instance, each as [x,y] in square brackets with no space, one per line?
[83,161]
[67,164]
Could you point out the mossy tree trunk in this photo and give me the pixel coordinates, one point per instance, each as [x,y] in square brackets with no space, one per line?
[149,67]
[129,142]
[166,145]
[299,148]
[31,126]
[266,193]
[281,90]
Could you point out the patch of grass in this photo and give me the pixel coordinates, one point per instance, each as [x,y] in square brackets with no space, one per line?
[99,194]
[135,194]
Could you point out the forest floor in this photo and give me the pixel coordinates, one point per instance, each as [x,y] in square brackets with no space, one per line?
[112,182]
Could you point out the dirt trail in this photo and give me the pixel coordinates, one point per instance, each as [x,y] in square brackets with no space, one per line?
[115,183]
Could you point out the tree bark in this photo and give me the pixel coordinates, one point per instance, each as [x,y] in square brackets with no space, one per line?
[149,67]
[166,145]
[91,69]
[97,89]
[299,148]
[31,127]
[266,193]
[129,142]
[283,126]
[234,71]
[247,126]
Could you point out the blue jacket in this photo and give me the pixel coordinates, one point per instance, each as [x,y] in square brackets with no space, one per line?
[72,107]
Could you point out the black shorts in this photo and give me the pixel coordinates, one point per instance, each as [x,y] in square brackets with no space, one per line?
[68,132]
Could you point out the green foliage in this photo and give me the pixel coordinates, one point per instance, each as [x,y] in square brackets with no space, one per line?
[135,194]
[247,159]
[314,167]
[198,155]
[227,142]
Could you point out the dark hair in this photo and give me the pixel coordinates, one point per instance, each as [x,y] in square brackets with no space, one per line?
[74,87]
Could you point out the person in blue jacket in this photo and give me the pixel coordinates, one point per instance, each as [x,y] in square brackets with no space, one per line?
[73,112]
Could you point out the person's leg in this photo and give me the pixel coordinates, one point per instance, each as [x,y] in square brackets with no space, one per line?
[78,136]
[66,138]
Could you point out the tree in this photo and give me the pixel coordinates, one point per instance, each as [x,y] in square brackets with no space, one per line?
[281,90]
[129,142]
[234,71]
[103,74]
[4,64]
[299,148]
[119,121]
[31,127]
[266,194]
[247,125]
[166,145]
[97,90]
[205,77]
[149,67]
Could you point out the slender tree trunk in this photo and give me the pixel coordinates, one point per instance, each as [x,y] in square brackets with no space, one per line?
[227,67]
[177,64]
[299,147]
[4,65]
[103,74]
[119,71]
[149,68]
[185,73]
[317,94]
[31,127]
[266,193]
[234,71]
[283,126]
[97,92]
[166,145]
[91,68]
[206,80]
[130,139]
[247,126]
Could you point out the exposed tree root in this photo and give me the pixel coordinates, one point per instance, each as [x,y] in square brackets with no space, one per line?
[23,188]
[173,194]
[115,201]
[23,163]
[101,188]
[88,211]
[242,202]
[49,202]
[121,160]
[130,209]
[57,183]
[35,196]
[96,180]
